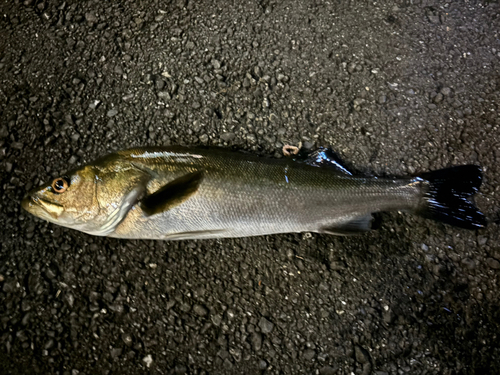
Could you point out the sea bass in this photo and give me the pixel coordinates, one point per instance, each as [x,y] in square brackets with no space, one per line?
[174,193]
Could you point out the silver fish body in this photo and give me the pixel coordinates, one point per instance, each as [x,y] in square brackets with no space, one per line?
[188,193]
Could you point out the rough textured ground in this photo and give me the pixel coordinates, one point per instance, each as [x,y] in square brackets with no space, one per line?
[395,87]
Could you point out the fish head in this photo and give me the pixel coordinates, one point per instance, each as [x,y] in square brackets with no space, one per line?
[93,199]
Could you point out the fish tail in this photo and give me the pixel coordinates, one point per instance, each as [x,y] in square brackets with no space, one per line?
[446,198]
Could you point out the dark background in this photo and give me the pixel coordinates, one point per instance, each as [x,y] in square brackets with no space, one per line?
[395,87]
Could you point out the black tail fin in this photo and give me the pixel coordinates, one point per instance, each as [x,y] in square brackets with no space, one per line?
[447,197]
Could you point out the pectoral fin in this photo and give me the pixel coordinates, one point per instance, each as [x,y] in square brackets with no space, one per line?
[356,225]
[172,194]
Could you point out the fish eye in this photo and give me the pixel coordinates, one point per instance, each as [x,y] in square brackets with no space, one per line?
[60,185]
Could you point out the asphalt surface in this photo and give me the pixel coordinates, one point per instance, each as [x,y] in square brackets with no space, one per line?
[395,87]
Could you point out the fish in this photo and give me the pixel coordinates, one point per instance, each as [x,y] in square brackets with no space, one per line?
[185,193]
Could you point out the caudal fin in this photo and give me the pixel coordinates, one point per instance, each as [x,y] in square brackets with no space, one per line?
[447,197]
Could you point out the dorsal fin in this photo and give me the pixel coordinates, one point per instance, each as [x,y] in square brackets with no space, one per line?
[172,194]
[324,157]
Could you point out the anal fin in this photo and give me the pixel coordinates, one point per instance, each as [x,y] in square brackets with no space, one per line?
[172,194]
[357,225]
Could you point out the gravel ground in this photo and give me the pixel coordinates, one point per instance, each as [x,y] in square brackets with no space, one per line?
[395,87]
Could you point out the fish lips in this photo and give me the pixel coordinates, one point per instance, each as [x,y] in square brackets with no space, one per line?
[41,207]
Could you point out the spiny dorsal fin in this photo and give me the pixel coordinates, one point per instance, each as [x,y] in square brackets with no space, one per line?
[172,194]
[325,157]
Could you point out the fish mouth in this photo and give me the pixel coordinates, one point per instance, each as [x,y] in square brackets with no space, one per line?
[31,203]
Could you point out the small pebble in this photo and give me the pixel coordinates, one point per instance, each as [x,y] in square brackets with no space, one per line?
[94,104]
[265,325]
[308,145]
[469,263]
[256,341]
[164,95]
[434,19]
[200,310]
[216,64]
[493,263]
[148,360]
[327,370]
[351,67]
[112,112]
[251,138]
[90,17]
[227,137]
[227,364]
[361,354]
[159,84]
[116,352]
[438,98]
[4,131]
[262,364]
[70,299]
[446,91]
[309,354]
[127,338]
[216,319]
